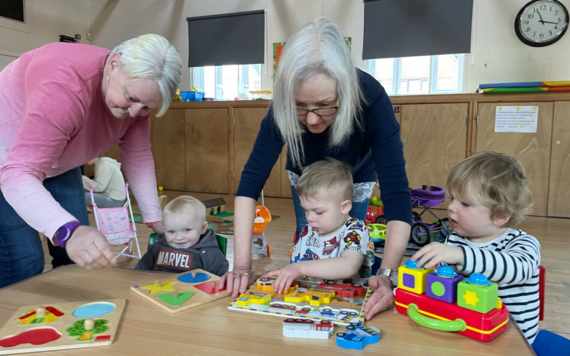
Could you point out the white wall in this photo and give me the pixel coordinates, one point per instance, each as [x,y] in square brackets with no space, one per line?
[45,21]
[497,54]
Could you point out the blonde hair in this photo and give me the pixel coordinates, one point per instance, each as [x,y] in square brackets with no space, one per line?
[152,57]
[498,182]
[188,206]
[317,47]
[329,175]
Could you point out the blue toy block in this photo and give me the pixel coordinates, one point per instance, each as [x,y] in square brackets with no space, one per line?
[548,343]
[356,337]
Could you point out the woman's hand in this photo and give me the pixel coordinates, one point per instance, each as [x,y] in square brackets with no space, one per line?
[88,248]
[237,280]
[382,298]
[285,277]
[158,228]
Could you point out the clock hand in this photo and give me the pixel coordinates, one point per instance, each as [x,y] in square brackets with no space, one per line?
[541,20]
[550,22]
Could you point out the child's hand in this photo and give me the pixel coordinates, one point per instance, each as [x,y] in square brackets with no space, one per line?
[431,255]
[285,277]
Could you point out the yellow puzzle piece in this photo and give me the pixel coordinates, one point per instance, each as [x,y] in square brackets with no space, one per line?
[253,298]
[159,287]
[313,296]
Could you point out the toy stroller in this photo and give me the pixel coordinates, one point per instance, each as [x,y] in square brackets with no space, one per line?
[259,245]
[114,224]
[428,196]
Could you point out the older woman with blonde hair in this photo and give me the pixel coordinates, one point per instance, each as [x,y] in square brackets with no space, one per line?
[325,107]
[61,105]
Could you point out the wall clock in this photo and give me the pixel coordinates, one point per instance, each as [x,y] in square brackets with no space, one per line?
[541,22]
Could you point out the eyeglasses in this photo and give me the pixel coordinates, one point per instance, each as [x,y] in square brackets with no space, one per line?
[320,111]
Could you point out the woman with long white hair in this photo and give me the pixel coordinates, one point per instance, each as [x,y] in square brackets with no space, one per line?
[61,105]
[325,107]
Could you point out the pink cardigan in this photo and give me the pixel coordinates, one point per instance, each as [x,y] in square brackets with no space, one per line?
[53,118]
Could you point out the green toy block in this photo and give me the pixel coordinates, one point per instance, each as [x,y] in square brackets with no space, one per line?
[481,299]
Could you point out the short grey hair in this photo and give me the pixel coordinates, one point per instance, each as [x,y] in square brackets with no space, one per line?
[317,47]
[152,57]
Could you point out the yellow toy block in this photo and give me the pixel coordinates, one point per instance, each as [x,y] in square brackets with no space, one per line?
[253,298]
[413,279]
[313,296]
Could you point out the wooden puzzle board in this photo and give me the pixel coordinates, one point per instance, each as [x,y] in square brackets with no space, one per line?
[54,331]
[340,310]
[177,292]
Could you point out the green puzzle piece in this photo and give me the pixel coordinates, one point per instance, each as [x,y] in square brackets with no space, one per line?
[175,302]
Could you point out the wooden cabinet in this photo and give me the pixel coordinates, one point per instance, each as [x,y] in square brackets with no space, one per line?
[246,128]
[532,149]
[559,183]
[168,148]
[207,150]
[435,140]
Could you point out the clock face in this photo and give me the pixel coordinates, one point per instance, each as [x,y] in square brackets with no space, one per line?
[541,23]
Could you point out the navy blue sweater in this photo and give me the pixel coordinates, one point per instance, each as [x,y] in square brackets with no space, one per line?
[373,152]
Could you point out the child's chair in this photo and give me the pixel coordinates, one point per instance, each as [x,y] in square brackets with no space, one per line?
[114,224]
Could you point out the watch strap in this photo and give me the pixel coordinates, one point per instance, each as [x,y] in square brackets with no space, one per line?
[63,234]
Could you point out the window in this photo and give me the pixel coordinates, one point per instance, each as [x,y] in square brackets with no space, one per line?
[227,82]
[419,75]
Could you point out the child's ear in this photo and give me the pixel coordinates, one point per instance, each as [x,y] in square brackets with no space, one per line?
[204,227]
[346,206]
[501,221]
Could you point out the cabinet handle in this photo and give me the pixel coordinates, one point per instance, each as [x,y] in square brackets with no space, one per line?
[404,141]
[558,142]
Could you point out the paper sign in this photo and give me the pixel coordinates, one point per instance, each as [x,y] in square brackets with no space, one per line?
[516,119]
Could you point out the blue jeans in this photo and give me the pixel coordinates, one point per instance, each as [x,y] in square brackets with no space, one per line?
[21,253]
[358,211]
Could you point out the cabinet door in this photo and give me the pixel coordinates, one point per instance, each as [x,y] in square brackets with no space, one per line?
[532,149]
[207,150]
[168,149]
[435,140]
[559,187]
[247,123]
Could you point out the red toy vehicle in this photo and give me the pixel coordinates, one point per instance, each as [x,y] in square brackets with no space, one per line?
[346,290]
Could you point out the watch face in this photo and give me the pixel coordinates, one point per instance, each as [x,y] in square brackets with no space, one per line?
[541,23]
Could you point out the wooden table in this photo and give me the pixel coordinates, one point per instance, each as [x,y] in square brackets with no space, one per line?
[212,329]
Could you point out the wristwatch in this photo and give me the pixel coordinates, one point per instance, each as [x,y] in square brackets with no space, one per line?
[391,273]
[64,233]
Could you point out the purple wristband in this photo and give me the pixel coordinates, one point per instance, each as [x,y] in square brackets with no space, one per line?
[64,233]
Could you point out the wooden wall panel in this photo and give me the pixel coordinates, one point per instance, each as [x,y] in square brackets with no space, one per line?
[207,151]
[532,149]
[434,137]
[168,148]
[559,187]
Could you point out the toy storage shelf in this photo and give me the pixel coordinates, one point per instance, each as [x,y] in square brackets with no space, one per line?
[203,146]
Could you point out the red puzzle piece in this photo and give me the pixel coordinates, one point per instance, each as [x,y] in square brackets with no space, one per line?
[209,287]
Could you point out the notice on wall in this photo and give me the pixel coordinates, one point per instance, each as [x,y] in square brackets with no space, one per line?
[516,119]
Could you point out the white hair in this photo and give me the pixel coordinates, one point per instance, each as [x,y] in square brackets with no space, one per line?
[152,57]
[317,47]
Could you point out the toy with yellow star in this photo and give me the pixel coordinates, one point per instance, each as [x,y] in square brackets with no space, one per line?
[477,293]
[158,286]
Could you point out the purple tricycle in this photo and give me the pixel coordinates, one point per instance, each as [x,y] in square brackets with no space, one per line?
[426,198]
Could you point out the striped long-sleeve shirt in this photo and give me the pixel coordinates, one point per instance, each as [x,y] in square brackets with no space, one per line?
[511,261]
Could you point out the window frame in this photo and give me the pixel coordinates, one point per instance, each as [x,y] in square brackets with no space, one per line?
[197,78]
[397,73]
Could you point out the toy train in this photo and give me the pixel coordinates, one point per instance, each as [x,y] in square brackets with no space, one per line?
[444,300]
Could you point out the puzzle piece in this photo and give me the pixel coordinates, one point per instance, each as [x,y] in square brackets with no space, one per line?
[356,337]
[209,287]
[175,299]
[193,277]
[159,287]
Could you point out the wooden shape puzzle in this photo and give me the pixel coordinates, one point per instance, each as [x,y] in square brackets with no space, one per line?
[60,326]
[306,301]
[177,292]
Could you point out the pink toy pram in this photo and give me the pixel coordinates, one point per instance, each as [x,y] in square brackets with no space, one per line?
[426,198]
[114,224]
